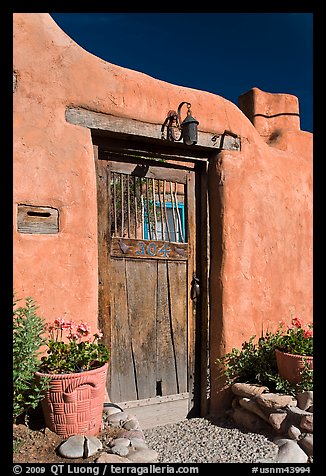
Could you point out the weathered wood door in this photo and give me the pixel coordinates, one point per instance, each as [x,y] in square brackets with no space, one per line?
[147,222]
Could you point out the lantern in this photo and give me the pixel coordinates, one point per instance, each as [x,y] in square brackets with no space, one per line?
[188,128]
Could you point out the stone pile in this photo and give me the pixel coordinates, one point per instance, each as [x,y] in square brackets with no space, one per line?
[124,443]
[289,418]
[128,444]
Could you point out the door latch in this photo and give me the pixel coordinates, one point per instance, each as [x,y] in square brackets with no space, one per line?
[195,288]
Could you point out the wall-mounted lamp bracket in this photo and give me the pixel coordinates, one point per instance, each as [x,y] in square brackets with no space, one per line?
[177,130]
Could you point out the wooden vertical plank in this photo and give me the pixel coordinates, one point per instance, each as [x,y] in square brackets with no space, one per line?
[123,384]
[166,375]
[203,250]
[141,282]
[177,282]
[122,205]
[128,204]
[191,305]
[113,178]
[103,202]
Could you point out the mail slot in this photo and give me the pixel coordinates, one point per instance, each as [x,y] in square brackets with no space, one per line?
[37,219]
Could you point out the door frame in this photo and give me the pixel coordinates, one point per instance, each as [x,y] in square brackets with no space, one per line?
[148,149]
[102,126]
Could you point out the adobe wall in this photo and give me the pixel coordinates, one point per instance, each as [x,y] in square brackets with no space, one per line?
[261,197]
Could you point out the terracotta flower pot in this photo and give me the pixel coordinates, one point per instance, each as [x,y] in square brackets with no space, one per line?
[74,402]
[290,365]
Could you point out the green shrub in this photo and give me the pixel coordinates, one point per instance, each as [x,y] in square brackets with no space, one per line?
[28,329]
[256,363]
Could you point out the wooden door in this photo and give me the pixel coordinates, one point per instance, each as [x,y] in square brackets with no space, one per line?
[148,231]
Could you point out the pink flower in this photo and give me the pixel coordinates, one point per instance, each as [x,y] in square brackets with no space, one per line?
[297,322]
[98,334]
[66,325]
[59,323]
[84,329]
[72,330]
[307,333]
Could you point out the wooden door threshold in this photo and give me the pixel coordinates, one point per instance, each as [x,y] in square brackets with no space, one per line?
[158,411]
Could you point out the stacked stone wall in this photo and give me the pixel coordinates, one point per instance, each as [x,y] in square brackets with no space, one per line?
[289,418]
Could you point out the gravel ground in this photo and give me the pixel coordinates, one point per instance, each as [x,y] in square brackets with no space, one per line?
[199,440]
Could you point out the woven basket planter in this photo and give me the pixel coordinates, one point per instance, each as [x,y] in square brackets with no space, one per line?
[73,404]
[290,365]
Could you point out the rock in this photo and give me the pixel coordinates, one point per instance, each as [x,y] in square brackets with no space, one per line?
[306,443]
[235,402]
[111,410]
[143,456]
[138,443]
[287,415]
[120,442]
[91,446]
[276,419]
[131,424]
[305,399]
[294,432]
[253,407]
[247,390]
[275,400]
[295,415]
[80,446]
[73,447]
[111,458]
[117,419]
[120,450]
[47,431]
[290,452]
[306,423]
[248,420]
[280,440]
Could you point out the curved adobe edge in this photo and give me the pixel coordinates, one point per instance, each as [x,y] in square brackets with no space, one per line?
[81,79]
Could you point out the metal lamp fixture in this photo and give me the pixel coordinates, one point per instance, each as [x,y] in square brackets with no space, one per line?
[187,129]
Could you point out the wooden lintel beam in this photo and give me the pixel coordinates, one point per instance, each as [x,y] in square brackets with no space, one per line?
[122,125]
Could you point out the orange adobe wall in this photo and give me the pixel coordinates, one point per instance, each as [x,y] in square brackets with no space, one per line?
[260,197]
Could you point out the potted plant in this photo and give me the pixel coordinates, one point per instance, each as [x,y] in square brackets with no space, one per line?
[76,365]
[259,361]
[294,351]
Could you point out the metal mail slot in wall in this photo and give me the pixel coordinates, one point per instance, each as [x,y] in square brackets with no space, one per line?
[37,220]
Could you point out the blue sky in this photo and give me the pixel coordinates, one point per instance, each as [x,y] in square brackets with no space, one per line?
[223,53]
